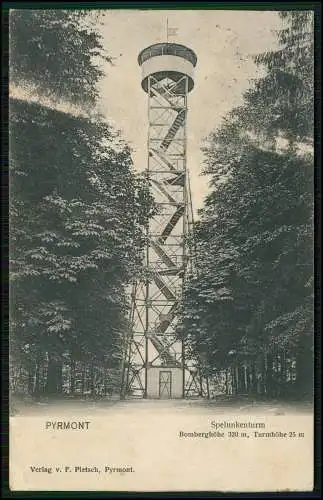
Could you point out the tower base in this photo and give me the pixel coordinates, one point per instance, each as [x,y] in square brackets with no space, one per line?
[165,382]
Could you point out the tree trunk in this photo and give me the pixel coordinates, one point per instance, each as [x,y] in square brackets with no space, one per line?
[72,385]
[83,379]
[283,378]
[248,379]
[54,377]
[227,381]
[208,387]
[241,378]
[31,378]
[201,385]
[269,376]
[304,370]
[106,384]
[92,380]
[36,388]
[253,376]
[234,380]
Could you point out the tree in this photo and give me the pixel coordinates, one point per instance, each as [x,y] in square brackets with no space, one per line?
[77,210]
[57,53]
[253,294]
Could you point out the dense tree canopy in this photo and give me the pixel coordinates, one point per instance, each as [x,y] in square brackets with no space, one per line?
[77,210]
[253,292]
[57,52]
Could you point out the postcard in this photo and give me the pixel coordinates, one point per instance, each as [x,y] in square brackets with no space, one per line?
[161,250]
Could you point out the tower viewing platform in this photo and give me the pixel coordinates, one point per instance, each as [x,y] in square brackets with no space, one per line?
[168,60]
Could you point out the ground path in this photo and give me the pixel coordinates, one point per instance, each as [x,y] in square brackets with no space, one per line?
[220,405]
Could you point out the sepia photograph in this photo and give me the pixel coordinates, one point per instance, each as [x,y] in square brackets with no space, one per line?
[161,211]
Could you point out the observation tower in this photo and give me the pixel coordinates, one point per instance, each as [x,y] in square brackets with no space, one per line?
[156,364]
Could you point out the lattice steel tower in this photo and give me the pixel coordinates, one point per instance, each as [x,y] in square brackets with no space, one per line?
[155,364]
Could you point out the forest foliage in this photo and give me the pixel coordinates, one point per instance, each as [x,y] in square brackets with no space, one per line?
[249,308]
[77,209]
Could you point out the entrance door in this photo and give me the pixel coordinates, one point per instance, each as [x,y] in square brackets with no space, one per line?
[165,384]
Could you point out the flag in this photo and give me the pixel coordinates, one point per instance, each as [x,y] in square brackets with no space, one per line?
[172,31]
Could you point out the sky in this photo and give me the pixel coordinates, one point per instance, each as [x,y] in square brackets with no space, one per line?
[224,42]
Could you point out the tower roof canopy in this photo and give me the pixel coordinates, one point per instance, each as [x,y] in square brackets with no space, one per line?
[174,49]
